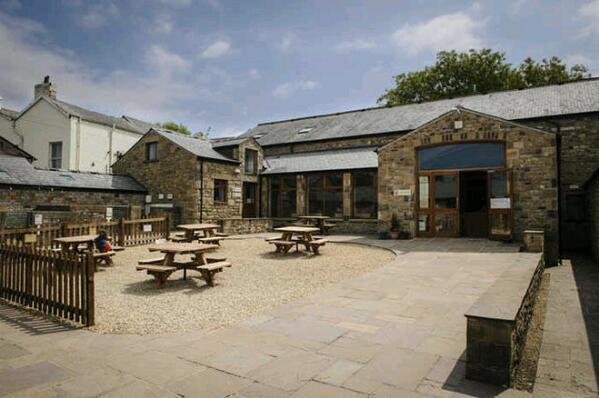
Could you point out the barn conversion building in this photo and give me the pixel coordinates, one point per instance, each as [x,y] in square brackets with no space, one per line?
[489,166]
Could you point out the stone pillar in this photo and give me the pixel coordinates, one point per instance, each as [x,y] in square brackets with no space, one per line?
[534,241]
[347,202]
[301,195]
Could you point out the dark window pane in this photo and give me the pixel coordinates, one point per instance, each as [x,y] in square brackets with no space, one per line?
[250,161]
[220,191]
[333,203]
[499,185]
[365,199]
[575,208]
[461,156]
[275,183]
[314,181]
[334,180]
[289,182]
[274,204]
[288,203]
[445,192]
[315,198]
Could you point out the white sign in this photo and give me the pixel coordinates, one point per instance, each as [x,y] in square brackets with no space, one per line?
[38,219]
[148,198]
[169,196]
[160,196]
[402,192]
[108,213]
[147,227]
[500,203]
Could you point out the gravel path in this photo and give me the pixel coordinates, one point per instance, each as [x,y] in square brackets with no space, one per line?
[127,300]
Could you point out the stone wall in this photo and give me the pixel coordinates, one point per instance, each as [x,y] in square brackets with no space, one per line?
[531,154]
[212,210]
[236,226]
[593,201]
[174,173]
[83,205]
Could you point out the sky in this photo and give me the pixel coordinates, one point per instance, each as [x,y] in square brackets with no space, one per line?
[222,66]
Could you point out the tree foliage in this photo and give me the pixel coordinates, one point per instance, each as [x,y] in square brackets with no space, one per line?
[476,72]
[178,127]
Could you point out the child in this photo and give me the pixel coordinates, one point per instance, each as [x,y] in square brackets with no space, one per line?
[102,243]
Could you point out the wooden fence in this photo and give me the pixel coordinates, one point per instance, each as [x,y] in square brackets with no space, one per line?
[55,283]
[124,232]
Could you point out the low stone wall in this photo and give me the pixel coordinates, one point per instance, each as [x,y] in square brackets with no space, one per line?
[236,226]
[498,322]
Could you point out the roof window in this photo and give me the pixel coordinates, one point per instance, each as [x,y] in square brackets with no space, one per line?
[67,177]
[305,130]
[4,174]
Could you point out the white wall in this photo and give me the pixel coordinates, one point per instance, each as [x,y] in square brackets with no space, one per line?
[39,126]
[7,131]
[97,152]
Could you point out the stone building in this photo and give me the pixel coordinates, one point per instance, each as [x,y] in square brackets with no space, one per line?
[592,198]
[487,166]
[63,196]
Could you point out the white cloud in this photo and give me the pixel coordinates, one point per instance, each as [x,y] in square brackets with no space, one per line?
[166,62]
[574,59]
[356,45]
[163,23]
[285,90]
[288,40]
[97,15]
[590,12]
[217,49]
[176,3]
[253,73]
[457,31]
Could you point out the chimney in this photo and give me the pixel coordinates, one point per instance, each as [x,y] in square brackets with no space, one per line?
[45,88]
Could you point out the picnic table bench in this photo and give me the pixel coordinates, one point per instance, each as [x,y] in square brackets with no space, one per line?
[303,236]
[321,222]
[203,230]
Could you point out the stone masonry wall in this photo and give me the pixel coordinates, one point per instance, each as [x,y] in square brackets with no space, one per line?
[84,205]
[173,173]
[531,154]
[214,211]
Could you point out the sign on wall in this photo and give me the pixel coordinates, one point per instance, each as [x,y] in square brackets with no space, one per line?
[402,192]
[38,219]
[108,213]
[147,227]
[500,203]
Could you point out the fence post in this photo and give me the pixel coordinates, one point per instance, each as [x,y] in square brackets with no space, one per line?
[167,226]
[29,276]
[90,267]
[121,232]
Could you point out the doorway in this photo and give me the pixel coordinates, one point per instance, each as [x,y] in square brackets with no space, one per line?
[474,216]
[249,200]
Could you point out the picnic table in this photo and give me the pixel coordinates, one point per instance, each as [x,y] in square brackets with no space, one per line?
[286,241]
[161,268]
[73,243]
[319,221]
[190,230]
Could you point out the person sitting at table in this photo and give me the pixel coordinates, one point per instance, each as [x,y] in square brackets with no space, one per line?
[102,243]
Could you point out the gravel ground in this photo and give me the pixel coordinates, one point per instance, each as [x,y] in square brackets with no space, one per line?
[128,302]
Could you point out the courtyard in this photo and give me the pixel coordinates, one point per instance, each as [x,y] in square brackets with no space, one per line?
[396,329]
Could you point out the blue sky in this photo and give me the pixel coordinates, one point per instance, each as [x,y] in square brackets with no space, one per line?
[228,65]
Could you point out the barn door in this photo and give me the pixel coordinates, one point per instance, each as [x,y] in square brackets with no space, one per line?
[500,196]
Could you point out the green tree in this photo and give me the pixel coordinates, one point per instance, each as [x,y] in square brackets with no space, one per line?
[178,127]
[476,72]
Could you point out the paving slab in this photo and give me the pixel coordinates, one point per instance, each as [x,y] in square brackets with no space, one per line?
[12,380]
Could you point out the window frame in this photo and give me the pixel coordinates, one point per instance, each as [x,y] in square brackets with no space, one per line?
[219,183]
[375,181]
[254,156]
[282,188]
[52,158]
[153,144]
[324,188]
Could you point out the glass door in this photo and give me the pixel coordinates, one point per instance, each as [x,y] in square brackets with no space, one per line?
[500,204]
[438,204]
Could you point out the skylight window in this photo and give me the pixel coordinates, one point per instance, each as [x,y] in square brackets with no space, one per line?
[3,173]
[67,177]
[305,130]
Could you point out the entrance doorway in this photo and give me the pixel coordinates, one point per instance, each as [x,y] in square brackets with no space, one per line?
[249,200]
[474,216]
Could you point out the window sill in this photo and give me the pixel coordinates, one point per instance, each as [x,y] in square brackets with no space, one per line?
[151,161]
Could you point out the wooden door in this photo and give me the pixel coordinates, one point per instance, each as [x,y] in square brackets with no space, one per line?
[438,204]
[500,196]
[249,200]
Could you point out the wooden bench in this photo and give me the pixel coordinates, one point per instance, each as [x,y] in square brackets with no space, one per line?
[179,239]
[104,257]
[159,272]
[283,246]
[326,226]
[156,260]
[221,234]
[210,240]
[316,244]
[209,270]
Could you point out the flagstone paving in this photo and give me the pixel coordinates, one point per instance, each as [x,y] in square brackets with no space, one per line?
[398,331]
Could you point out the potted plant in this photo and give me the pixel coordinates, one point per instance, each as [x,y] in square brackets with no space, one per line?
[394,230]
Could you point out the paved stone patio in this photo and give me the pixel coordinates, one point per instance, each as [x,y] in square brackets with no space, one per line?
[396,332]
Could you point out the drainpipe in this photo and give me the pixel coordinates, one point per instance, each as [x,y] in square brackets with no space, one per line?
[201,189]
[110,139]
[558,142]
[78,144]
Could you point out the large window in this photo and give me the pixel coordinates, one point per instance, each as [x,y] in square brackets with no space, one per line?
[220,191]
[152,151]
[325,194]
[365,183]
[251,161]
[462,156]
[55,155]
[283,196]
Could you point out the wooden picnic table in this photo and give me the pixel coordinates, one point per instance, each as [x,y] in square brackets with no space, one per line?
[72,242]
[319,221]
[171,249]
[304,233]
[208,230]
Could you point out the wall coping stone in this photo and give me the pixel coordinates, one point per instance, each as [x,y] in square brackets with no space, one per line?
[502,301]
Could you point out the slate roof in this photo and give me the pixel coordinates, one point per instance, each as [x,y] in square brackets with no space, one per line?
[226,141]
[9,113]
[199,147]
[16,170]
[340,159]
[564,99]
